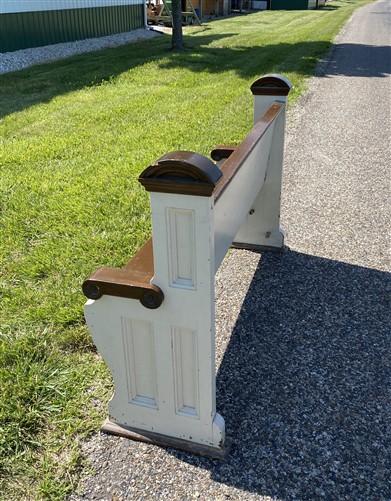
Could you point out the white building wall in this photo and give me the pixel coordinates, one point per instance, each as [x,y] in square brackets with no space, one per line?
[14,6]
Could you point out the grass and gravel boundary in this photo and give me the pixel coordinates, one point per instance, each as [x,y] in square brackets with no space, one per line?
[23,58]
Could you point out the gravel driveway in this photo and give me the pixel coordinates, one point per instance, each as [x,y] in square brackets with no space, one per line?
[304,369]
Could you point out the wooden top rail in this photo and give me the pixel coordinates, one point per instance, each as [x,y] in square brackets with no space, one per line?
[132,281]
[236,159]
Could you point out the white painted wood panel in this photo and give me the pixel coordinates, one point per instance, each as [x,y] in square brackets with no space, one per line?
[262,225]
[190,308]
[140,361]
[103,317]
[180,224]
[232,207]
[185,359]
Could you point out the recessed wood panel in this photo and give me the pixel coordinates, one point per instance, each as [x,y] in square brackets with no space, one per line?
[181,248]
[140,362]
[185,360]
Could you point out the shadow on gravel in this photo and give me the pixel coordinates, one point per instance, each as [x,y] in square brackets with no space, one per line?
[359,60]
[304,385]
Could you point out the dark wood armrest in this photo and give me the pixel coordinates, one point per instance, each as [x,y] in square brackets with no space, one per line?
[222,151]
[132,281]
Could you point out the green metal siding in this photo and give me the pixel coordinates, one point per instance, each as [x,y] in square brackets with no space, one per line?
[33,29]
[296,4]
[289,4]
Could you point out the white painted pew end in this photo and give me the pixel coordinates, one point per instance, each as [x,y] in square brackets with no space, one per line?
[153,321]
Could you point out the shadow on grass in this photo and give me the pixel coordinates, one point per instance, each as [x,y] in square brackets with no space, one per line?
[304,385]
[355,60]
[40,84]
[330,7]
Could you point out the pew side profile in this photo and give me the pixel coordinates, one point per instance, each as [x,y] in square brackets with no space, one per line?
[153,321]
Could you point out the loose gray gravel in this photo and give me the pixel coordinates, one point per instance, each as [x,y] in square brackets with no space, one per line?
[19,59]
[303,337]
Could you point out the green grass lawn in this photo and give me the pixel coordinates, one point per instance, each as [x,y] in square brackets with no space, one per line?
[74,137]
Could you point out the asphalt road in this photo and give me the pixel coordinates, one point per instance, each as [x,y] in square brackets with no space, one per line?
[304,380]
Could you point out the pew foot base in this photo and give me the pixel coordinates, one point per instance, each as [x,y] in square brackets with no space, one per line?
[256,248]
[165,441]
[268,241]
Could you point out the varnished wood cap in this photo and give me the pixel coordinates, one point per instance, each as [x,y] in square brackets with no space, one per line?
[271,85]
[182,172]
